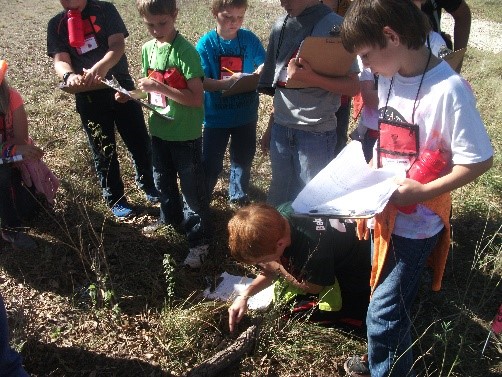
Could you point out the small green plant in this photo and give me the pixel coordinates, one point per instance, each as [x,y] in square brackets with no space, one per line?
[169,265]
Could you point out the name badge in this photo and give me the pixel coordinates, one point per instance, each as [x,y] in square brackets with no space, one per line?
[89,45]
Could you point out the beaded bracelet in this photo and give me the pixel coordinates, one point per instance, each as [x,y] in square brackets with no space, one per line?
[245,296]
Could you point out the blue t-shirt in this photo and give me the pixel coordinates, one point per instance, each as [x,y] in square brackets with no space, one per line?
[240,109]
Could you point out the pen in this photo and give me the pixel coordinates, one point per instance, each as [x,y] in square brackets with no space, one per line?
[228,70]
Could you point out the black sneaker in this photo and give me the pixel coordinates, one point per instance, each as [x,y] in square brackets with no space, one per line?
[19,240]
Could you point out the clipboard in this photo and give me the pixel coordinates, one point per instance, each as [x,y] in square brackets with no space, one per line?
[246,83]
[455,58]
[135,95]
[336,215]
[81,89]
[326,56]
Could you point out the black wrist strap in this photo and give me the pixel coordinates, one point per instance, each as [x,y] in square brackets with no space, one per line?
[66,76]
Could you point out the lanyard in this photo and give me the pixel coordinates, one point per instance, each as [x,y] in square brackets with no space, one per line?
[220,47]
[418,91]
[150,65]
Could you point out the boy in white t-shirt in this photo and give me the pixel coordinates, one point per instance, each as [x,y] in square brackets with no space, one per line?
[367,128]
[423,105]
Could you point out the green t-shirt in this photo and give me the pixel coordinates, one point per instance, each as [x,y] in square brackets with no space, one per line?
[187,123]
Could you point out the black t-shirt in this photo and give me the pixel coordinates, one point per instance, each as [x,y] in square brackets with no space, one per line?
[101,20]
[319,253]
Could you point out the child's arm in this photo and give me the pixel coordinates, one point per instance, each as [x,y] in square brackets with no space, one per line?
[240,305]
[116,48]
[304,285]
[299,69]
[62,65]
[411,192]
[213,85]
[192,96]
[369,93]
[20,125]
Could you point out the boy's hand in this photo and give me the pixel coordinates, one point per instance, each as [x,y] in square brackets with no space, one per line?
[298,69]
[121,97]
[147,85]
[236,311]
[74,80]
[408,192]
[95,74]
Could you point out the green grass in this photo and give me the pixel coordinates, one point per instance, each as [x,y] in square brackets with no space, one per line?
[132,324]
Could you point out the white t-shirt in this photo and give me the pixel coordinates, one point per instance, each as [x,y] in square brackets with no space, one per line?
[447,117]
[369,116]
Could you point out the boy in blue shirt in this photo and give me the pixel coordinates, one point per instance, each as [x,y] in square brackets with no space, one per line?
[226,53]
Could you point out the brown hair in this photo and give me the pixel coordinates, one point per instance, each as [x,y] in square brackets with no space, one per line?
[254,231]
[156,7]
[364,22]
[218,5]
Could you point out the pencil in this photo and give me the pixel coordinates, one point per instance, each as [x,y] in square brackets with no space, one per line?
[228,70]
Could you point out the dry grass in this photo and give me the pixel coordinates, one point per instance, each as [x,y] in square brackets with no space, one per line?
[93,299]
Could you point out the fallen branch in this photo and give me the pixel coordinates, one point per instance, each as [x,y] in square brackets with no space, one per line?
[226,357]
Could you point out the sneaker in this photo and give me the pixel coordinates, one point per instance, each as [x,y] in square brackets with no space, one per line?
[152,195]
[153,227]
[19,240]
[357,366]
[121,209]
[196,256]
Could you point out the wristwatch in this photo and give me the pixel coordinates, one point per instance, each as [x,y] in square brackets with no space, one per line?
[66,76]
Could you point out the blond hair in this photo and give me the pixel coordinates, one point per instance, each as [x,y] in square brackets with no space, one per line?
[254,232]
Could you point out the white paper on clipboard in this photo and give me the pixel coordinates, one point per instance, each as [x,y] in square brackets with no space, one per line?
[133,95]
[348,187]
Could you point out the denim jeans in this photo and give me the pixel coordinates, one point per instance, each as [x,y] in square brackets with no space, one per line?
[183,160]
[100,114]
[242,150]
[10,360]
[388,320]
[296,157]
[16,200]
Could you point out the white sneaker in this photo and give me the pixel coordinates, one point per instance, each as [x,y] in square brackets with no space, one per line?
[196,256]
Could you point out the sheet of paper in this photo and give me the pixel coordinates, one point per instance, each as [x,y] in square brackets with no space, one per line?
[347,187]
[246,83]
[136,96]
[232,285]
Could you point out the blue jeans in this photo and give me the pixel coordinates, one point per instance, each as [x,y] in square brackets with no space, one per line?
[100,114]
[10,360]
[183,160]
[388,320]
[296,157]
[242,151]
